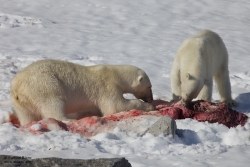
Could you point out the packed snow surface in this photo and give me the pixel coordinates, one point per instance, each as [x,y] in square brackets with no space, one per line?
[142,33]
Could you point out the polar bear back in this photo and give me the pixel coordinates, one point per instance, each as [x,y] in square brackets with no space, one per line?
[207,48]
[73,77]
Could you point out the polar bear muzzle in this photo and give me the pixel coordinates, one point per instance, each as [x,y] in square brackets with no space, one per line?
[149,97]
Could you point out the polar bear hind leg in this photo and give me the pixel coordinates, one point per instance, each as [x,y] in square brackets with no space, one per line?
[51,109]
[54,108]
[23,112]
[24,116]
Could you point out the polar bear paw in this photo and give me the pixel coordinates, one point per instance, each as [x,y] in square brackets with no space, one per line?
[231,103]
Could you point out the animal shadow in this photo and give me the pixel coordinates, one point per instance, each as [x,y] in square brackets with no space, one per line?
[243,101]
[188,137]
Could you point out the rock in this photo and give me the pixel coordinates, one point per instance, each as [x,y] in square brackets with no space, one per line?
[165,125]
[9,161]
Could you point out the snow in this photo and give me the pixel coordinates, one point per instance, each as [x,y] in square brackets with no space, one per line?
[142,33]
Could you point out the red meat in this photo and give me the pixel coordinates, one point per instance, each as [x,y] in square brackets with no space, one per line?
[89,126]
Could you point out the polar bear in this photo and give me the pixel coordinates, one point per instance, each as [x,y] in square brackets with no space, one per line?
[64,90]
[197,61]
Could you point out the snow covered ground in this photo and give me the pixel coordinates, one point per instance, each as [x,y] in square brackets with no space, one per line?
[142,33]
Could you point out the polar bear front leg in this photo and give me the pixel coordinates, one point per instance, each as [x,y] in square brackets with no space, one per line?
[139,105]
[118,105]
[224,87]
[175,83]
[207,90]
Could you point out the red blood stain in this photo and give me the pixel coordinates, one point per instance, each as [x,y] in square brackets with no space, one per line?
[89,126]
[90,120]
[173,112]
[132,113]
[45,125]
[14,120]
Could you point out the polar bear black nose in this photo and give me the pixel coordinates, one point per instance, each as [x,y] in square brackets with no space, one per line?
[148,99]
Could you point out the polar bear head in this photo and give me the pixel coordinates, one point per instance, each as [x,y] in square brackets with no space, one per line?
[190,87]
[142,88]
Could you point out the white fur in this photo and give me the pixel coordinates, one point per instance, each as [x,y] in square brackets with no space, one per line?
[197,61]
[62,90]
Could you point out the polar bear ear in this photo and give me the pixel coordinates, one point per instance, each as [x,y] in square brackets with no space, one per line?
[140,78]
[187,75]
[138,81]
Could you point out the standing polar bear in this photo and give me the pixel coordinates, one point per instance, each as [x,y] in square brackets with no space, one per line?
[62,90]
[197,61]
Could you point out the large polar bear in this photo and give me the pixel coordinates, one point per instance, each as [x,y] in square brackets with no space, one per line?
[197,61]
[63,90]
